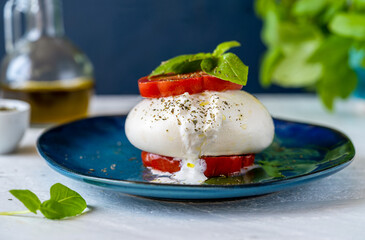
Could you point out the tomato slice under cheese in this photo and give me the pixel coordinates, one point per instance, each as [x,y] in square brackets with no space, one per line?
[216,165]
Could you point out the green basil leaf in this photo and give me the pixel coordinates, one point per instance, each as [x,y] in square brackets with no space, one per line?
[209,64]
[331,10]
[338,84]
[309,8]
[300,30]
[294,70]
[64,202]
[52,209]
[268,65]
[337,80]
[358,5]
[332,51]
[263,6]
[293,36]
[188,67]
[348,25]
[224,47]
[181,64]
[296,43]
[270,30]
[28,198]
[227,67]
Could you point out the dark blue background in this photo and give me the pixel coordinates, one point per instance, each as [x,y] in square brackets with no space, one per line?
[127,39]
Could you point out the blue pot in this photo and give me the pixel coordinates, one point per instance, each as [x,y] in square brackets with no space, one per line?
[357,63]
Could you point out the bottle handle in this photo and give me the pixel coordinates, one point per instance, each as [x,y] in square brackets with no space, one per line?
[12,24]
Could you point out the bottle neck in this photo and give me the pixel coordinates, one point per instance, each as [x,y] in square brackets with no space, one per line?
[44,18]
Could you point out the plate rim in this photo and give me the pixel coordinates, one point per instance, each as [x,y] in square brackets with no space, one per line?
[69,172]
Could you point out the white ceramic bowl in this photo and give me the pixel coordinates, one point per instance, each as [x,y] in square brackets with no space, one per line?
[13,124]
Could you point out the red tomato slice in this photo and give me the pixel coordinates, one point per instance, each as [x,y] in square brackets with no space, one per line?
[172,85]
[227,165]
[216,166]
[161,163]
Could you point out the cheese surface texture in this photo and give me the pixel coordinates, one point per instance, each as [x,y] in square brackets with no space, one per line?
[205,124]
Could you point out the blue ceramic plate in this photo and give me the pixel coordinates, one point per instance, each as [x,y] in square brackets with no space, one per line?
[96,151]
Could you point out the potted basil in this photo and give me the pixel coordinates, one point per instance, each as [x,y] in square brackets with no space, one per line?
[314,44]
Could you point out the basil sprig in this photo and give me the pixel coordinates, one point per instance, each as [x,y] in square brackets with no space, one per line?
[226,66]
[64,202]
[310,45]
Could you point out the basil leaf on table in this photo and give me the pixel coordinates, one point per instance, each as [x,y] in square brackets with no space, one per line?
[28,198]
[64,202]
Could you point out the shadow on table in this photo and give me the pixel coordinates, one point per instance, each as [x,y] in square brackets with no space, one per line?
[26,150]
[23,150]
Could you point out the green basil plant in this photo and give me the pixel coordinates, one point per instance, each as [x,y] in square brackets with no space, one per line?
[308,45]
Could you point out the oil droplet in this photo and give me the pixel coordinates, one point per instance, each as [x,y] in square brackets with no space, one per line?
[190,165]
[204,103]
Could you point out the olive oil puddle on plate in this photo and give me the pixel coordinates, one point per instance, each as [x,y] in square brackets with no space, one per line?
[279,163]
[275,163]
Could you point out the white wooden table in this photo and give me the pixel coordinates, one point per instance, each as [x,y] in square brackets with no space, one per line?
[331,208]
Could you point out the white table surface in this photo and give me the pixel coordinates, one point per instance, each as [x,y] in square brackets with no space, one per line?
[331,208]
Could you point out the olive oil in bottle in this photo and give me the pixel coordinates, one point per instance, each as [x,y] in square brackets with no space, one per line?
[42,66]
[53,102]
